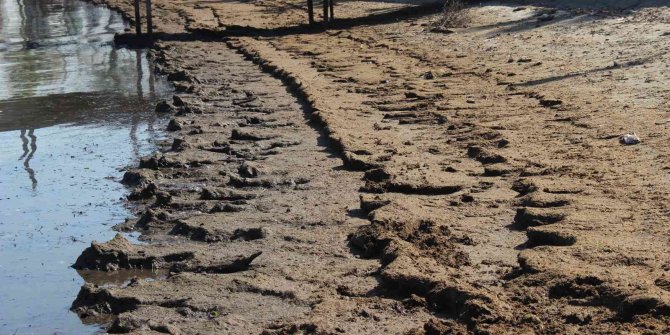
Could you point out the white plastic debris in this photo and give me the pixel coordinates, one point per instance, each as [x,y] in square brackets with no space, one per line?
[629,139]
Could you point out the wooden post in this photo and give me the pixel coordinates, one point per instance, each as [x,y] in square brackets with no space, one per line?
[332,9]
[150,28]
[325,11]
[310,11]
[138,19]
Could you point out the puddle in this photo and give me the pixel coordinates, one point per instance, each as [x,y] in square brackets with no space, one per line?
[73,112]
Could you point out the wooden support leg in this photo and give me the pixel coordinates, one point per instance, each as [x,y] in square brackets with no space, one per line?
[150,28]
[332,9]
[310,11]
[325,11]
[138,19]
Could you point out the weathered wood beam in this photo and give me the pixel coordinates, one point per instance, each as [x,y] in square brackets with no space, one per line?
[332,9]
[150,29]
[138,19]
[325,11]
[310,11]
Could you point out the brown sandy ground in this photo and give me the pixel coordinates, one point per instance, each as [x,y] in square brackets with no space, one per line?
[246,174]
[498,198]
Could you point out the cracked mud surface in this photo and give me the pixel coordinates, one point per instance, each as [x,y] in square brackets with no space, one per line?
[381,178]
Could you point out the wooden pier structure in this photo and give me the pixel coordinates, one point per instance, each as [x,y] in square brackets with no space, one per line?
[138,18]
[328,14]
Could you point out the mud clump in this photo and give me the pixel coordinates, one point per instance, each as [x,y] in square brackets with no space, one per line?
[524,186]
[529,217]
[118,253]
[145,192]
[180,75]
[543,201]
[240,263]
[228,208]
[497,170]
[250,135]
[381,181]
[439,327]
[356,162]
[307,328]
[174,125]
[370,203]
[165,107]
[249,170]
[93,302]
[368,241]
[226,194]
[157,163]
[485,156]
[136,178]
[179,144]
[107,256]
[127,323]
[540,236]
[250,234]
[642,304]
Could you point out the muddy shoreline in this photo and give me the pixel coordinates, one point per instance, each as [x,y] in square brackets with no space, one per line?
[353,180]
[224,195]
[73,111]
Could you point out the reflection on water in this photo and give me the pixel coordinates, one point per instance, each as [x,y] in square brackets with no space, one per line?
[73,110]
[28,154]
[58,47]
[62,51]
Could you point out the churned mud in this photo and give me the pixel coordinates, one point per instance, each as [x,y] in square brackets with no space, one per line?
[390,174]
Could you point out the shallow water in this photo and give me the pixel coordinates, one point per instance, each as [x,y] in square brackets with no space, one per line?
[73,111]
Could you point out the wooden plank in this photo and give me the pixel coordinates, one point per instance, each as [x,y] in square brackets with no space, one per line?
[325,11]
[310,11]
[138,19]
[150,28]
[332,9]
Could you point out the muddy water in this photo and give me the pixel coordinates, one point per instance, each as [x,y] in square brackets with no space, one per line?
[73,111]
